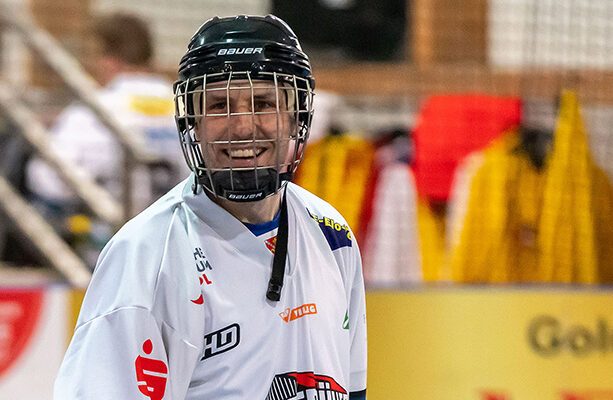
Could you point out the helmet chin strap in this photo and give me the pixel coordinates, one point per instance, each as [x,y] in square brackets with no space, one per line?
[222,179]
[275,284]
[240,186]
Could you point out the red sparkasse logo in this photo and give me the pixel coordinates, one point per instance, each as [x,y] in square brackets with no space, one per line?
[151,374]
[289,315]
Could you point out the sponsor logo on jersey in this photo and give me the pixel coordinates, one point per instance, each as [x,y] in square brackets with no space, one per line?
[271,244]
[229,51]
[203,279]
[338,235]
[202,266]
[151,374]
[199,300]
[289,315]
[222,340]
[305,385]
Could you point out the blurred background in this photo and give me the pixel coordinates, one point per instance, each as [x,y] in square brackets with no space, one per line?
[468,144]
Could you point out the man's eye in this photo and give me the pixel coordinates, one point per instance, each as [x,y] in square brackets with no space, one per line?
[216,106]
[265,105]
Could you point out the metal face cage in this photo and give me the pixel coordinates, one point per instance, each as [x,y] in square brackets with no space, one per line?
[243,133]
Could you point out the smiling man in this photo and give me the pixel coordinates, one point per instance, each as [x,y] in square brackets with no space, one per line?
[237,284]
[248,137]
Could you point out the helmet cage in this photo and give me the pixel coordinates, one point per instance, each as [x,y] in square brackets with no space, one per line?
[293,100]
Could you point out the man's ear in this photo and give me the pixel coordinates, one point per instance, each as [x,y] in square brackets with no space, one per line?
[197,127]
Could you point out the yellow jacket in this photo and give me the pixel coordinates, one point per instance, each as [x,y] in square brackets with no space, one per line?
[522,225]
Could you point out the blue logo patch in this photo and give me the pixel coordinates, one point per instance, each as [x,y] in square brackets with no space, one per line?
[336,234]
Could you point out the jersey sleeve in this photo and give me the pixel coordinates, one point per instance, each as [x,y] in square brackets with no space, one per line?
[357,327]
[124,355]
[131,341]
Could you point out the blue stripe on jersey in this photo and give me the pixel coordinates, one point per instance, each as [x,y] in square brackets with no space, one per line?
[335,239]
[264,227]
[336,234]
[361,395]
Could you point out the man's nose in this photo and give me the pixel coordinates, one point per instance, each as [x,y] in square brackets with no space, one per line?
[242,122]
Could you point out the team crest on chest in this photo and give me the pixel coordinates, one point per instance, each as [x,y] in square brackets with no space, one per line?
[271,244]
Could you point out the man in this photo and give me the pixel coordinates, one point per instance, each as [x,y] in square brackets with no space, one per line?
[237,284]
[137,97]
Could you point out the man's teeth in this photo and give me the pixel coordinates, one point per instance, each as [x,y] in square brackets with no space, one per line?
[242,153]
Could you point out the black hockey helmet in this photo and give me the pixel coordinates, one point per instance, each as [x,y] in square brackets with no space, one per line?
[242,49]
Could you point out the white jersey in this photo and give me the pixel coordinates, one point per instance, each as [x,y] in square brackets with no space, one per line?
[177,309]
[143,104]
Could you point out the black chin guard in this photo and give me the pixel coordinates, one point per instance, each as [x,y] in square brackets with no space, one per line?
[244,186]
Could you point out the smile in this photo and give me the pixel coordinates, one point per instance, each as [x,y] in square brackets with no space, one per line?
[244,153]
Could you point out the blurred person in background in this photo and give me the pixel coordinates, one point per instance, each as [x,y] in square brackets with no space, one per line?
[136,97]
[236,284]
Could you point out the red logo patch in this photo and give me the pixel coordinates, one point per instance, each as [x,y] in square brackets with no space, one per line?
[203,279]
[271,244]
[19,313]
[151,374]
[305,385]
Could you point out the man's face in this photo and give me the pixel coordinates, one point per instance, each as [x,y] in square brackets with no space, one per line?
[246,125]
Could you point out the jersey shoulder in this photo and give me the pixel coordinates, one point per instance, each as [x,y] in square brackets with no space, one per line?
[333,225]
[150,223]
[131,268]
[314,203]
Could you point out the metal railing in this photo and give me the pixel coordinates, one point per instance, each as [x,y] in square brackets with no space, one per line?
[82,86]
[96,198]
[93,195]
[43,237]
